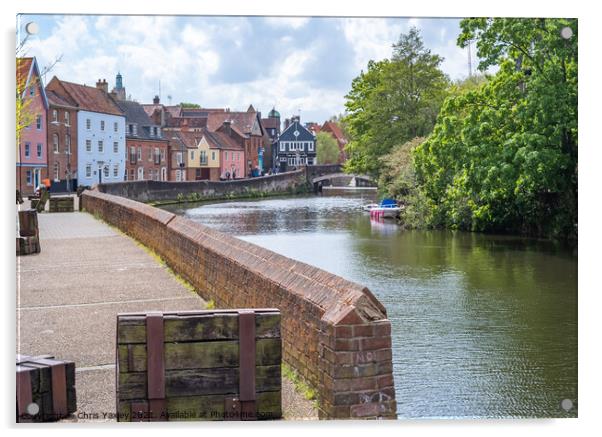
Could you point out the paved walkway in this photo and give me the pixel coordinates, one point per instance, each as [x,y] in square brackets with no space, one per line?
[69,296]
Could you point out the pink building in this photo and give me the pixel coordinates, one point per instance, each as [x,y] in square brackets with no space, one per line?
[230,144]
[32,153]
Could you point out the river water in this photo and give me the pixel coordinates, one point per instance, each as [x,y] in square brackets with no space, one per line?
[482,326]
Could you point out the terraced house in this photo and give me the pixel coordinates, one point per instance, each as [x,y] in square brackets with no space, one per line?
[147,150]
[295,147]
[100,132]
[62,139]
[32,158]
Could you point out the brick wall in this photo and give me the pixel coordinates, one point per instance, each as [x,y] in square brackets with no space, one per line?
[335,333]
[146,191]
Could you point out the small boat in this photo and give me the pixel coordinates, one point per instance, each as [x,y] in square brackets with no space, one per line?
[387,209]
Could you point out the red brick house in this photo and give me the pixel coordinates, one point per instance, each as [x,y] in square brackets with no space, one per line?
[147,151]
[337,133]
[62,138]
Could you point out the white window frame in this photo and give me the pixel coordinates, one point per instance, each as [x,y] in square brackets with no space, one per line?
[68,144]
[115,170]
[67,118]
[102,125]
[116,126]
[27,150]
[101,146]
[55,143]
[115,146]
[282,146]
[88,170]
[88,145]
[106,171]
[310,147]
[88,124]
[55,116]
[139,154]
[39,150]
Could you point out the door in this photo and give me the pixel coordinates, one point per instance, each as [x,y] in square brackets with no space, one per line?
[36,178]
[140,173]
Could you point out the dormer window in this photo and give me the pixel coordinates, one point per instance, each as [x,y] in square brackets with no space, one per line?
[155,131]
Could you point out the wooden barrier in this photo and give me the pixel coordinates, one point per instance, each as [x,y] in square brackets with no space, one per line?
[201,365]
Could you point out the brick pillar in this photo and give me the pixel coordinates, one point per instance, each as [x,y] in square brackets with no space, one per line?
[356,371]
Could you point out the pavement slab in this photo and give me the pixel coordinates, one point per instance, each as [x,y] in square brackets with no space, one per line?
[69,296]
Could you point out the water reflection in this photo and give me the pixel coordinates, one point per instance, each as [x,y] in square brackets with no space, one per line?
[483,326]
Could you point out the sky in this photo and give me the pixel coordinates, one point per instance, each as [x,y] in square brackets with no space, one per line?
[299,65]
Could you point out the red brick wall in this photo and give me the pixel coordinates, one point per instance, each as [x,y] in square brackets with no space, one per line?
[147,146]
[335,332]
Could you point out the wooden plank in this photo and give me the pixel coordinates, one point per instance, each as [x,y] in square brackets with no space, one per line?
[200,355]
[132,329]
[190,382]
[192,408]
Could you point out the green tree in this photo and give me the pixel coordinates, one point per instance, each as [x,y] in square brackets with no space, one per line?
[503,154]
[392,102]
[327,149]
[189,105]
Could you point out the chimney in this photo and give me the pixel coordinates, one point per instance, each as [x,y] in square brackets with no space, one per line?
[287,123]
[228,127]
[103,85]
[156,100]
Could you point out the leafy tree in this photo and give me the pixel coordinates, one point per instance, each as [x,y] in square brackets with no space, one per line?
[189,105]
[327,149]
[503,154]
[392,102]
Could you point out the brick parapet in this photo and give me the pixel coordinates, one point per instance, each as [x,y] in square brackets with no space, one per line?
[335,332]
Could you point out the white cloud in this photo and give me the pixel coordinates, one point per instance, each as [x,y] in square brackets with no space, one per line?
[370,38]
[290,22]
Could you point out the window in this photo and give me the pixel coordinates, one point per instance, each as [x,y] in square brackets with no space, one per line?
[139,153]
[115,147]
[39,150]
[56,171]
[102,125]
[311,146]
[88,145]
[282,146]
[179,158]
[157,156]
[115,170]
[150,155]
[130,129]
[68,144]
[88,124]
[225,156]
[203,157]
[67,120]
[162,155]
[115,127]
[213,156]
[192,155]
[28,177]
[88,170]
[105,171]
[101,147]
[55,116]
[156,131]
[27,150]
[132,174]
[39,122]
[55,143]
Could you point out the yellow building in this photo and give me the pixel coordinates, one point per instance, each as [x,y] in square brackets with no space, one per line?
[203,162]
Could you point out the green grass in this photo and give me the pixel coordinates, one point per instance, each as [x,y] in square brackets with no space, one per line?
[300,386]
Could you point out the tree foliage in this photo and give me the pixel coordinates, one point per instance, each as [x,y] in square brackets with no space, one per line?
[327,149]
[503,154]
[189,105]
[392,102]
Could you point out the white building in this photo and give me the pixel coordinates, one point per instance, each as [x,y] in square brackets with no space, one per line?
[101,151]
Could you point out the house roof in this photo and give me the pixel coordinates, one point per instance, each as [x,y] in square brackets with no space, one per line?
[134,112]
[189,139]
[270,123]
[91,99]
[304,133]
[335,129]
[26,69]
[221,140]
[243,122]
[56,99]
